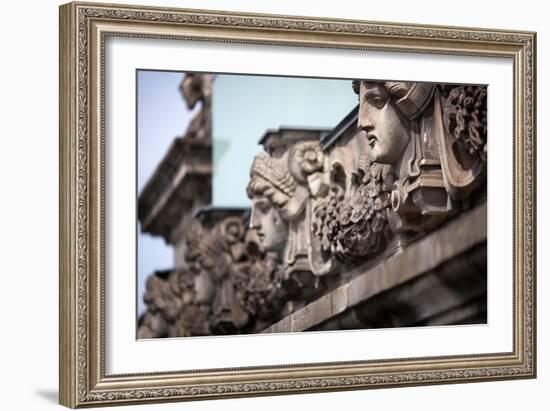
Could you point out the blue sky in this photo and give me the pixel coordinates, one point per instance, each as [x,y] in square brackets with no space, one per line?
[162,116]
[244,107]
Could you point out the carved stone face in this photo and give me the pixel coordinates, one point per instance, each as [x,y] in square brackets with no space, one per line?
[272,230]
[387,130]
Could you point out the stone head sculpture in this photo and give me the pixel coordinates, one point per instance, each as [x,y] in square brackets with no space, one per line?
[387,112]
[434,139]
[271,188]
[215,241]
[284,181]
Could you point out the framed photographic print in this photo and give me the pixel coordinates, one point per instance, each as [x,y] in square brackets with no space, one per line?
[259,204]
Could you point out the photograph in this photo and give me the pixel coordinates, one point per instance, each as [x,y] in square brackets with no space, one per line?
[286,204]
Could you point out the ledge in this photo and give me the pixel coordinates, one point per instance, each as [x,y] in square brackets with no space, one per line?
[171,192]
[463,239]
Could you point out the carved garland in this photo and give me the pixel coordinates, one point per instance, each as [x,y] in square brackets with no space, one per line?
[356,228]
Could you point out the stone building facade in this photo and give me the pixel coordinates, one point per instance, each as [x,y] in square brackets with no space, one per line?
[378,222]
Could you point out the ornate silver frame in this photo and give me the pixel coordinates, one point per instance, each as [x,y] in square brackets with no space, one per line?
[83,30]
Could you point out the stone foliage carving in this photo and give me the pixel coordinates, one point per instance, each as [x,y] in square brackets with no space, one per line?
[425,162]
[229,286]
[236,280]
[171,309]
[355,227]
[465,116]
[257,283]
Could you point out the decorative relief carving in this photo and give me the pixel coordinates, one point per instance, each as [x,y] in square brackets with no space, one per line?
[312,215]
[212,252]
[465,117]
[426,155]
[257,282]
[285,23]
[356,227]
[314,384]
[433,138]
[230,286]
[171,308]
[285,182]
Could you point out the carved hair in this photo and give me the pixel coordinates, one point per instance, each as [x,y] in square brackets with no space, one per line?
[271,179]
[410,98]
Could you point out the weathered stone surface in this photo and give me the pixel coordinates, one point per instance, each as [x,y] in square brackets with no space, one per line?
[183,180]
[229,286]
[181,184]
[379,222]
[460,244]
[356,227]
[285,182]
[171,308]
[434,139]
